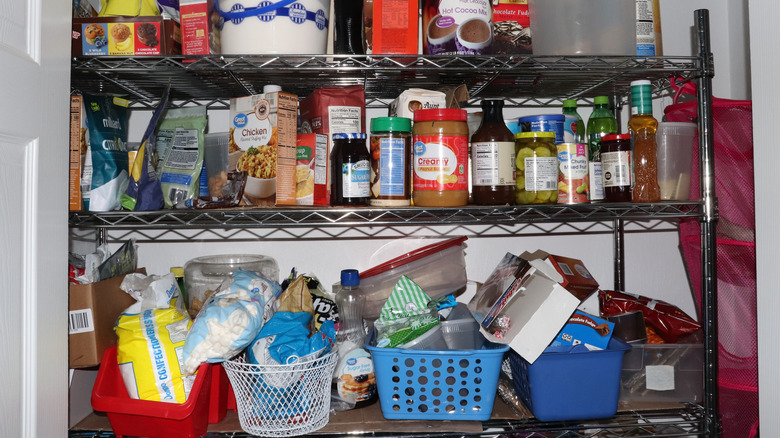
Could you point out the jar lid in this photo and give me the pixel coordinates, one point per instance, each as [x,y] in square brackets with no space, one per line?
[535,134]
[349,135]
[350,277]
[613,137]
[433,114]
[380,124]
[543,118]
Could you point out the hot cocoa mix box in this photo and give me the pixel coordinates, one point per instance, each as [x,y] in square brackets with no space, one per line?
[511,27]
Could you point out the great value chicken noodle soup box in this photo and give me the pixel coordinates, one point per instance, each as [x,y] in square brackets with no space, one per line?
[92,311]
[312,184]
[125,36]
[263,143]
[523,304]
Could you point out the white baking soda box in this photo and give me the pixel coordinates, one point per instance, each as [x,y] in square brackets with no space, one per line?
[263,137]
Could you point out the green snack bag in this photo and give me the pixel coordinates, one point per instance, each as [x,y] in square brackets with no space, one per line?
[406,315]
[180,144]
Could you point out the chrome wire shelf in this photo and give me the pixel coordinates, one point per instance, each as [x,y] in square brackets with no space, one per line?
[325,217]
[687,421]
[213,80]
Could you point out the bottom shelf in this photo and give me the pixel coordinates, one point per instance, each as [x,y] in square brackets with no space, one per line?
[669,420]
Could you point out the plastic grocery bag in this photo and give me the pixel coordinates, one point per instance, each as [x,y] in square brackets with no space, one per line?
[151,335]
[230,319]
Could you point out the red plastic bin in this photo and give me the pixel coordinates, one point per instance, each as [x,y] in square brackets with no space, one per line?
[206,404]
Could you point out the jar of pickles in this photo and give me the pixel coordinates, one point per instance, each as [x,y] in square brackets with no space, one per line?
[536,161]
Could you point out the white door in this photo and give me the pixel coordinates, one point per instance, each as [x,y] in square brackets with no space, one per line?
[34,88]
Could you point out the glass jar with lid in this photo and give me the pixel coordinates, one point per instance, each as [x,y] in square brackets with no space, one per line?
[537,168]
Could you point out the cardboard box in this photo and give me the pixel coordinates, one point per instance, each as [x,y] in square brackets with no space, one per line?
[77,150]
[125,36]
[576,277]
[527,293]
[92,311]
[584,329]
[267,123]
[199,32]
[511,27]
[391,26]
[312,176]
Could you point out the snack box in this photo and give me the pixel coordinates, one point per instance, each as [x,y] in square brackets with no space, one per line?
[125,36]
[584,329]
[663,373]
[92,311]
[524,303]
[199,30]
[312,172]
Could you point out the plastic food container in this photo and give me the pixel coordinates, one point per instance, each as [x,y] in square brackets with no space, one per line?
[439,269]
[206,273]
[561,386]
[437,385]
[430,340]
[205,405]
[663,373]
[576,27]
[675,155]
[461,330]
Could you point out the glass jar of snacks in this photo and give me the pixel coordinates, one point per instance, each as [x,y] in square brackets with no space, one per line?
[537,168]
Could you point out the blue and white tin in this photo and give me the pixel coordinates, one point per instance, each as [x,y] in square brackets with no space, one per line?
[544,123]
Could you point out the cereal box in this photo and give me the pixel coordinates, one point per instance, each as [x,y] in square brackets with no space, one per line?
[263,131]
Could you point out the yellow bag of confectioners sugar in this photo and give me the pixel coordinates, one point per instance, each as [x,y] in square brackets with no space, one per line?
[151,336]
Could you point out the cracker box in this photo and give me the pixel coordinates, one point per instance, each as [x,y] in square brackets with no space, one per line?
[199,30]
[92,311]
[263,143]
[584,329]
[312,174]
[125,36]
[524,304]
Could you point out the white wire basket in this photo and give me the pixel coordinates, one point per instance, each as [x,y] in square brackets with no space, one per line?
[282,400]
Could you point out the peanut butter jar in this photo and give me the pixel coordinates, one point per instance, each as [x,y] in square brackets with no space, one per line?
[441,151]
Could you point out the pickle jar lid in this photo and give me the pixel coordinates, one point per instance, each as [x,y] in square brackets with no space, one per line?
[433,114]
[535,134]
[349,135]
[613,137]
[382,124]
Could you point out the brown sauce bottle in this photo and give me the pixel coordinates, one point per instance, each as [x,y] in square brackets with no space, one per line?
[493,158]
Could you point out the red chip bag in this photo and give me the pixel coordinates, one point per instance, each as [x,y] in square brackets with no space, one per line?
[668,321]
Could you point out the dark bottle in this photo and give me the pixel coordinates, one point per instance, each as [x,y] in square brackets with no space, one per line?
[493,157]
[350,170]
[616,167]
[348,30]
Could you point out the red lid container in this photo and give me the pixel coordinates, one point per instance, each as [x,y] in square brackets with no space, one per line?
[426,115]
[206,404]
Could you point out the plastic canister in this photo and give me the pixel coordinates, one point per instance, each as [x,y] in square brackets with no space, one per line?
[544,123]
[537,168]
[675,155]
[215,156]
[441,153]
[391,161]
[282,27]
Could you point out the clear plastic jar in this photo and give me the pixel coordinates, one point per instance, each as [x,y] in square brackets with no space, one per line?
[537,168]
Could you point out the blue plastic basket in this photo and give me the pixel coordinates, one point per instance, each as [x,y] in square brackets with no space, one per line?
[437,384]
[570,386]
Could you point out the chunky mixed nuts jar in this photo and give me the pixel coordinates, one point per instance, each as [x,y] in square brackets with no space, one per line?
[537,168]
[441,153]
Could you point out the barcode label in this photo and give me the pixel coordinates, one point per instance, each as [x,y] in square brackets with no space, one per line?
[80,321]
[565,268]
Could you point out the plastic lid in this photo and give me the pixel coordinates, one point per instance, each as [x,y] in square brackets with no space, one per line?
[641,97]
[350,277]
[535,134]
[601,100]
[380,124]
[570,103]
[349,135]
[543,117]
[613,137]
[412,255]
[432,114]
[178,271]
[270,88]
